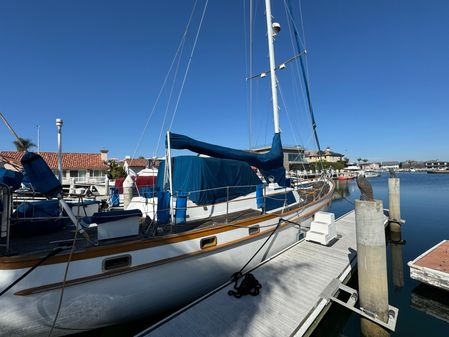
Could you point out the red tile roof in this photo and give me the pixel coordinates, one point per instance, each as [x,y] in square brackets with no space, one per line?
[70,161]
[137,162]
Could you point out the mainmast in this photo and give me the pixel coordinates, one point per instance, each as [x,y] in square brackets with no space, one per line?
[274,93]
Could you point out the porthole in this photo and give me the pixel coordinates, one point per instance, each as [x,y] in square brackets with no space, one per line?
[208,242]
[116,262]
[253,230]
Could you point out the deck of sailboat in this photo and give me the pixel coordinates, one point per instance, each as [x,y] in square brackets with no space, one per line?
[43,243]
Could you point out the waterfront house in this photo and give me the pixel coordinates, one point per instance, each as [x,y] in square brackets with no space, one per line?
[412,165]
[437,165]
[386,165]
[133,166]
[326,155]
[370,166]
[84,168]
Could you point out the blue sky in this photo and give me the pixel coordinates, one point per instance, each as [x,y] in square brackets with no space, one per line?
[379,74]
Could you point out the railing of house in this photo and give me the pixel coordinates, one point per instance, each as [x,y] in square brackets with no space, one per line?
[84,180]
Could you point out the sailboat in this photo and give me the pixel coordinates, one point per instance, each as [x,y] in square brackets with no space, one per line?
[211,215]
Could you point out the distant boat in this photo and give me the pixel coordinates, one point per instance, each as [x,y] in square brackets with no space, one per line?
[370,173]
[345,177]
[442,171]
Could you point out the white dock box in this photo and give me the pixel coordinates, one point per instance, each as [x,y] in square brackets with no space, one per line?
[322,228]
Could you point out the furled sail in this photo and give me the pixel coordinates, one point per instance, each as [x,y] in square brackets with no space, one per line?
[270,164]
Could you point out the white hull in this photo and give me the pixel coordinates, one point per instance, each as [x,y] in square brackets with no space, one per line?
[149,287]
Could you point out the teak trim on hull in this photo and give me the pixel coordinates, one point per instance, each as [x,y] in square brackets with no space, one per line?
[18,262]
[230,244]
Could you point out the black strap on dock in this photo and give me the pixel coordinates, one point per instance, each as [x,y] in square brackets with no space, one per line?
[249,284]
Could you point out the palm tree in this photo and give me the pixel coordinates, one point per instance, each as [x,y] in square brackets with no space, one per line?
[23,144]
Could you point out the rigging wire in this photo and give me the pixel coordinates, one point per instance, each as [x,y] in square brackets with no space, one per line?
[179,50]
[298,86]
[66,272]
[167,107]
[188,65]
[178,54]
[290,121]
[287,114]
[305,79]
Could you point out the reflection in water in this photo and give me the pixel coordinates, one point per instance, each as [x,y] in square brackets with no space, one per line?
[341,189]
[432,301]
[397,263]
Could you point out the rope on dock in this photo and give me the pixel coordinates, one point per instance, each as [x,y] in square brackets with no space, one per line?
[250,285]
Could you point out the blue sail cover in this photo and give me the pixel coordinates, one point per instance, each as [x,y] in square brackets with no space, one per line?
[40,175]
[270,164]
[205,179]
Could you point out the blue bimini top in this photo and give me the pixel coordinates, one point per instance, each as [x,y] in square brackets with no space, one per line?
[205,179]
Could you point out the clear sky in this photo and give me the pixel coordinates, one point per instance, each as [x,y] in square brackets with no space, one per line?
[379,73]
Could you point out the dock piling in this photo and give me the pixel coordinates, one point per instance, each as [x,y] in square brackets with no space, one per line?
[372,264]
[394,199]
[395,231]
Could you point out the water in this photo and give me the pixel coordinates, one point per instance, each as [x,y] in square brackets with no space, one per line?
[425,207]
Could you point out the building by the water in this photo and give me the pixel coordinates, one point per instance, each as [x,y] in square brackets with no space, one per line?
[437,165]
[326,155]
[84,168]
[386,165]
[294,158]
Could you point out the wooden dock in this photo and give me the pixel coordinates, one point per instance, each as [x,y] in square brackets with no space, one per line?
[432,267]
[296,288]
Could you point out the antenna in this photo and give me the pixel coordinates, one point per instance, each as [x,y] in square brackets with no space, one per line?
[59,123]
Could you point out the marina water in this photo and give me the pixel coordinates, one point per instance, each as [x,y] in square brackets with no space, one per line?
[425,207]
